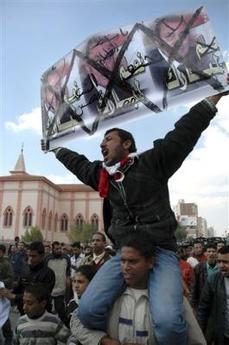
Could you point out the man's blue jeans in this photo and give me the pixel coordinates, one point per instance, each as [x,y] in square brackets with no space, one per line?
[165,295]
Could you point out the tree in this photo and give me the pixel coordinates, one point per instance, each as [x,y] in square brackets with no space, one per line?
[32,234]
[82,234]
[180,233]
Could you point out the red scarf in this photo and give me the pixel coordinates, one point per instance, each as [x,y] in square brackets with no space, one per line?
[103,187]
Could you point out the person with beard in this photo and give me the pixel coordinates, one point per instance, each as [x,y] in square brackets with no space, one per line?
[35,272]
[60,264]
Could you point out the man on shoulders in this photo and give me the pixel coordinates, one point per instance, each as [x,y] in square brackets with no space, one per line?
[135,186]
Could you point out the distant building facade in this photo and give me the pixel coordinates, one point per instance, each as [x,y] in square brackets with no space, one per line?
[187,217]
[202,230]
[27,200]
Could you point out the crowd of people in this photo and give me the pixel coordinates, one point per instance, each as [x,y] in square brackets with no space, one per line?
[47,289]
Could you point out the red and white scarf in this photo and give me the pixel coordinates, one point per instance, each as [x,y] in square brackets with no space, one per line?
[114,172]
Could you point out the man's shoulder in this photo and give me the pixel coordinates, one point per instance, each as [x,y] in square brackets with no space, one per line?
[215,278]
[51,257]
[5,262]
[200,267]
[49,317]
[86,260]
[48,271]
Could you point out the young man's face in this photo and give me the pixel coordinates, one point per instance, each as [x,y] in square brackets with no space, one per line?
[79,283]
[76,251]
[57,250]
[32,307]
[98,244]
[113,149]
[135,267]
[223,263]
[35,258]
[2,253]
[198,249]
[220,245]
[211,254]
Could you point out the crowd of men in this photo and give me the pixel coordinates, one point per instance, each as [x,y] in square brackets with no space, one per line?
[45,282]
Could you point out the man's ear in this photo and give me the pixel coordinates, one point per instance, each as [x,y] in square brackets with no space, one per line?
[151,263]
[44,303]
[127,144]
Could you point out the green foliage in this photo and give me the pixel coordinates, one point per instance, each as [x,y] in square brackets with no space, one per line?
[32,234]
[83,234]
[180,233]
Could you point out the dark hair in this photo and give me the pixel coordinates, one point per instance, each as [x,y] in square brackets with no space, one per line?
[124,135]
[76,245]
[224,250]
[38,246]
[87,271]
[39,291]
[210,245]
[141,242]
[3,248]
[101,234]
[55,243]
[199,242]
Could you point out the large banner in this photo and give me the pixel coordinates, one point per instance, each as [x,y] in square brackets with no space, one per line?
[130,72]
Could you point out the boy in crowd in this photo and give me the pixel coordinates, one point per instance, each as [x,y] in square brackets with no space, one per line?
[37,326]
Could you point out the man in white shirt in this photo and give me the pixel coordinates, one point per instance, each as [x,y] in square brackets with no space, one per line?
[76,258]
[129,320]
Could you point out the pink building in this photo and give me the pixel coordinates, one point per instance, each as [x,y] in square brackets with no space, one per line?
[28,200]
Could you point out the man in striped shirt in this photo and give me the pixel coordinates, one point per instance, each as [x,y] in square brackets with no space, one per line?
[37,326]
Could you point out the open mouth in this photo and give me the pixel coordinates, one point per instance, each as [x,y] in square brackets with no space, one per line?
[128,276]
[105,153]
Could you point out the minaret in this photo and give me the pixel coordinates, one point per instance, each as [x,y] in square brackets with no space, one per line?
[20,165]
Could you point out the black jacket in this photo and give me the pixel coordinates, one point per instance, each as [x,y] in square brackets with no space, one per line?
[213,300]
[141,201]
[198,281]
[32,275]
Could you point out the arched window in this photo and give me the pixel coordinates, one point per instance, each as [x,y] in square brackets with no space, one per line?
[55,222]
[43,218]
[28,217]
[79,221]
[95,222]
[8,217]
[50,221]
[64,223]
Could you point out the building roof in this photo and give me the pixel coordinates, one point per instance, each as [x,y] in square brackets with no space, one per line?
[20,165]
[19,174]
